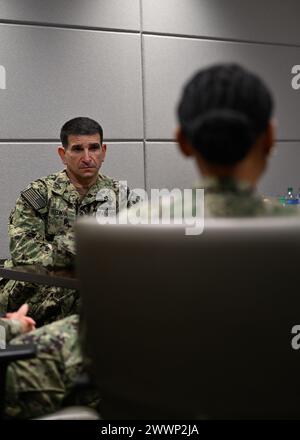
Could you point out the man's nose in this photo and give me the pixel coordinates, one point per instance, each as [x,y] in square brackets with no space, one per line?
[86,154]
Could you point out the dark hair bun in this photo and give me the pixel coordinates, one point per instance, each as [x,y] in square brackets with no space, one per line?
[223,136]
[222,112]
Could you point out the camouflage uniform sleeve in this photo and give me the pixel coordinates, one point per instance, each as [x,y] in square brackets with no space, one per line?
[126,197]
[132,198]
[12,328]
[28,241]
[42,385]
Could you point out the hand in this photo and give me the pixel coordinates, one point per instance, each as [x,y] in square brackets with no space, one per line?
[27,323]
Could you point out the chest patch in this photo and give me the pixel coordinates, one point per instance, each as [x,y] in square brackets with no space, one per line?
[57,212]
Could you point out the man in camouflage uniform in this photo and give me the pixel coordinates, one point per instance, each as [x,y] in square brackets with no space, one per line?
[41,224]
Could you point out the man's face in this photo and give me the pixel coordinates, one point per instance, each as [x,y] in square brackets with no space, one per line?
[83,156]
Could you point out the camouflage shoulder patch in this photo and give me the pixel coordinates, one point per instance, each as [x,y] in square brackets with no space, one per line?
[34,198]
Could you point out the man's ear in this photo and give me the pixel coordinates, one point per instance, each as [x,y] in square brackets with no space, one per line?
[62,152]
[103,149]
[184,145]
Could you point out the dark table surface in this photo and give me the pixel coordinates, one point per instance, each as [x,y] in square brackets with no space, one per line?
[41,275]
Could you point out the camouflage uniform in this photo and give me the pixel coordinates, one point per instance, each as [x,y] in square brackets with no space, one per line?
[45,383]
[41,232]
[230,198]
[222,198]
[33,383]
[12,328]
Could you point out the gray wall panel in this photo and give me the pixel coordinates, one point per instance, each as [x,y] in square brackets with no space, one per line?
[170,61]
[22,163]
[264,21]
[118,14]
[168,168]
[56,74]
[283,170]
[125,162]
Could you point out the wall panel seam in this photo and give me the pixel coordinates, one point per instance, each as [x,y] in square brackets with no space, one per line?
[161,141]
[141,32]
[218,39]
[67,26]
[119,141]
[57,141]
[143,92]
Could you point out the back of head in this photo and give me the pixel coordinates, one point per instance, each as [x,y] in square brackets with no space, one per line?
[223,110]
[79,126]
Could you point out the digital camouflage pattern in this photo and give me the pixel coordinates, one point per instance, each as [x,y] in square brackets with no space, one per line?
[12,328]
[231,198]
[222,198]
[41,385]
[45,383]
[41,232]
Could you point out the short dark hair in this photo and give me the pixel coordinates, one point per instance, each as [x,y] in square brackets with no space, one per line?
[79,126]
[222,111]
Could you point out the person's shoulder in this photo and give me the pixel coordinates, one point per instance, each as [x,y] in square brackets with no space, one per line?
[125,195]
[42,183]
[108,181]
[120,187]
[36,194]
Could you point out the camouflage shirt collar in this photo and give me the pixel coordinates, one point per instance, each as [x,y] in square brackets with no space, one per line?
[63,186]
[92,192]
[226,185]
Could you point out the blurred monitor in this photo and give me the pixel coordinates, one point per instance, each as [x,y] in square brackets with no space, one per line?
[193,326]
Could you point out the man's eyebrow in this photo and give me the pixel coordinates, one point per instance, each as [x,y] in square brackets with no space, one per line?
[91,144]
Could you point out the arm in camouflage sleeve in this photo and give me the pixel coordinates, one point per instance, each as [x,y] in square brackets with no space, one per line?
[12,328]
[15,323]
[124,197]
[28,243]
[133,198]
